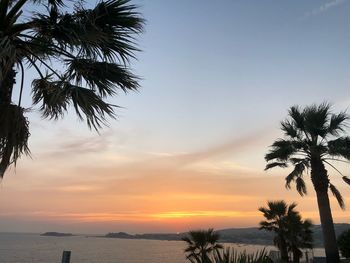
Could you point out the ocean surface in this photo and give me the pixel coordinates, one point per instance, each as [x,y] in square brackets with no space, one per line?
[28,248]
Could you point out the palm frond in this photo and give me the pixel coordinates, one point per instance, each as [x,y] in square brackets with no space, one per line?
[52,95]
[105,31]
[50,2]
[14,134]
[346,179]
[90,106]
[316,119]
[300,185]
[230,255]
[297,117]
[296,173]
[291,211]
[4,6]
[14,12]
[267,226]
[305,161]
[275,164]
[289,129]
[337,195]
[339,147]
[102,75]
[337,123]
[93,47]
[201,244]
[277,207]
[281,150]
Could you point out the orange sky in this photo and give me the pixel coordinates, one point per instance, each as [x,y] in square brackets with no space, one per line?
[186,151]
[92,185]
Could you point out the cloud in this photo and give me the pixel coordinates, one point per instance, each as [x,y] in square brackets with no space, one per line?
[142,190]
[324,8]
[233,146]
[74,145]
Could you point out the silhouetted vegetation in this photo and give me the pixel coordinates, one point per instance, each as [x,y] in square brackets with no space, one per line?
[344,244]
[203,248]
[92,46]
[291,232]
[229,255]
[314,137]
[201,244]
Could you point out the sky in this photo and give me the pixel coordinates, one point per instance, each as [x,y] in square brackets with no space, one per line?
[187,150]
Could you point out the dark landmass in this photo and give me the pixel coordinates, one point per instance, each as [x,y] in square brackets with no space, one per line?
[56,234]
[260,237]
[154,236]
[251,235]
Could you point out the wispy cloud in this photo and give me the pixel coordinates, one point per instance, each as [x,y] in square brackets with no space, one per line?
[128,216]
[324,8]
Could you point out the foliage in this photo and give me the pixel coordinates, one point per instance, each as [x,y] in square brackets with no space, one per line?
[344,244]
[81,57]
[314,137]
[292,233]
[14,134]
[229,255]
[201,244]
[311,133]
[203,248]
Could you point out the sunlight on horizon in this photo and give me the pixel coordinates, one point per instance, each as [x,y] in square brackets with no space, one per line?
[187,150]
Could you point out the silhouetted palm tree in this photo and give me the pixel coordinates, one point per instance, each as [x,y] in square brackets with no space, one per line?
[92,48]
[299,235]
[313,138]
[278,215]
[200,244]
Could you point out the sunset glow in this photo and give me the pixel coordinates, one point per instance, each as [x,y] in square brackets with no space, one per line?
[187,150]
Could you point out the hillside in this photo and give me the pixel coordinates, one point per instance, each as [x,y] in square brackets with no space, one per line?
[250,235]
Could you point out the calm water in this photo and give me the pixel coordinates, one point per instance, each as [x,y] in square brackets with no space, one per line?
[27,248]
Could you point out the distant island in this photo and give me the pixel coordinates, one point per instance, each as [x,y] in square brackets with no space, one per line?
[251,235]
[56,234]
[154,236]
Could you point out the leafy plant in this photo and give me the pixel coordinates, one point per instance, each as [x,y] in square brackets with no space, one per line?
[344,243]
[201,244]
[81,57]
[230,255]
[314,137]
[291,232]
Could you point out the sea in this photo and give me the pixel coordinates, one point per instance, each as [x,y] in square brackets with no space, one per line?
[33,248]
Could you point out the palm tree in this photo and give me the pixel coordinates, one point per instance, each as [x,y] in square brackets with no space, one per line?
[299,235]
[278,214]
[314,137]
[92,47]
[200,244]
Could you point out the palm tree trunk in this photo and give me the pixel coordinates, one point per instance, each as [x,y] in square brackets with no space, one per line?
[283,249]
[329,237]
[296,255]
[320,181]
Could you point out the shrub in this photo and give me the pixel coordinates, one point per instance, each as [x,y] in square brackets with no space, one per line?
[344,243]
[230,255]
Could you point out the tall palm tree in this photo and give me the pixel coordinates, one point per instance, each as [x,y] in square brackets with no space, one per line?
[278,214]
[200,244]
[92,48]
[314,137]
